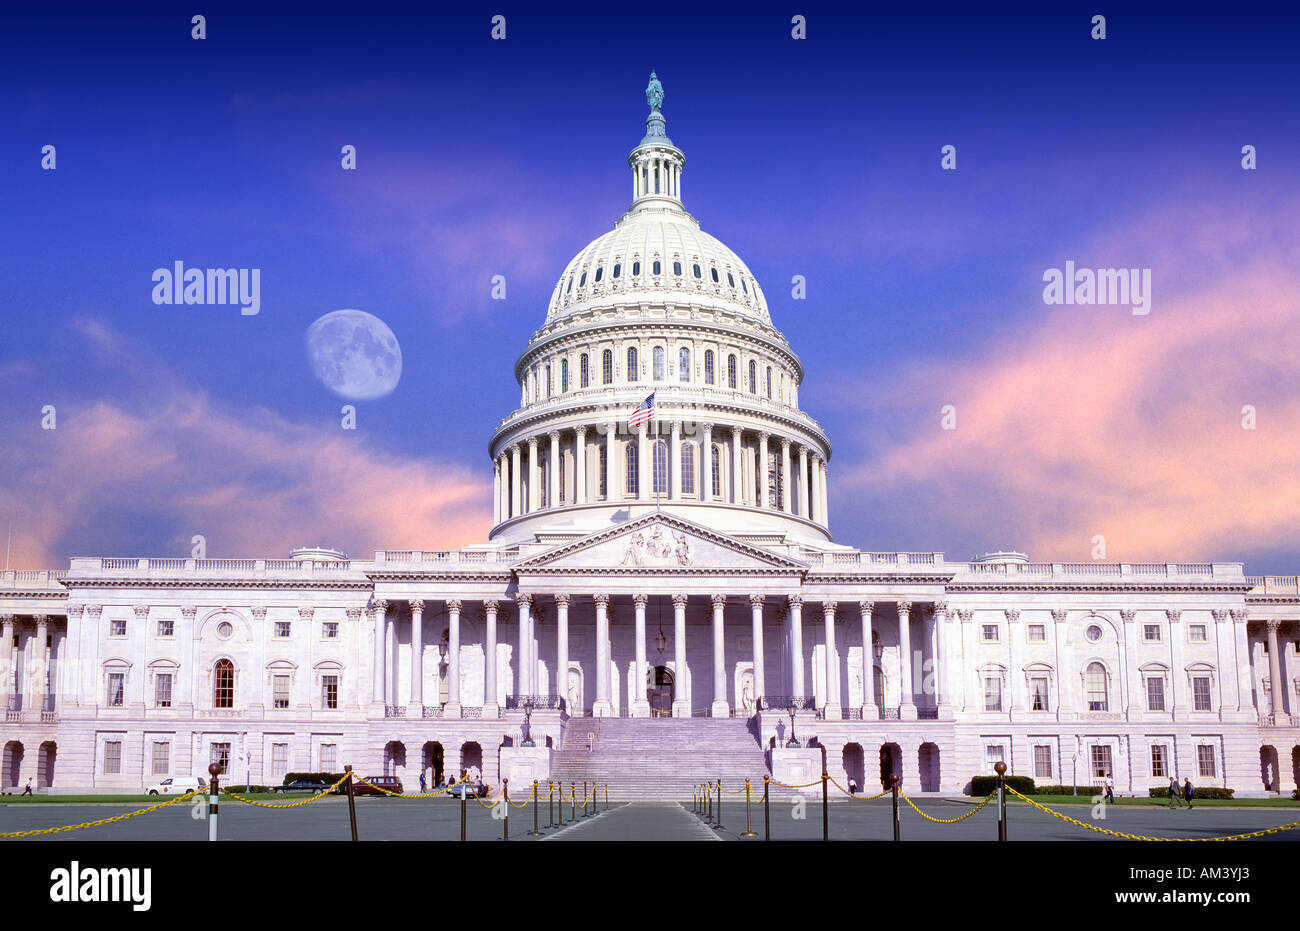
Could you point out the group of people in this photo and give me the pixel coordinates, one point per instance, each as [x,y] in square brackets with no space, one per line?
[1178,795]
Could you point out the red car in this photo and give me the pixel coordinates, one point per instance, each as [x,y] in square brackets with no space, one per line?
[391,783]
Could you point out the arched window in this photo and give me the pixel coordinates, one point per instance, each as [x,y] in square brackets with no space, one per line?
[696,269]
[708,366]
[632,367]
[602,476]
[584,371]
[660,468]
[636,269]
[607,367]
[731,371]
[544,481]
[658,358]
[564,375]
[688,468]
[731,282]
[223,684]
[600,272]
[561,464]
[677,269]
[683,364]
[1095,685]
[658,269]
[717,471]
[582,282]
[743,286]
[618,269]
[633,470]
[714,272]
[548,379]
[753,377]
[769,382]
[570,286]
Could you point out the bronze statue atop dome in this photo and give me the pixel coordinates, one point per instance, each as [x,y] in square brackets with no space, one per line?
[654,93]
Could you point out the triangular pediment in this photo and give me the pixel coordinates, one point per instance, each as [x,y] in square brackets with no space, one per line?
[658,541]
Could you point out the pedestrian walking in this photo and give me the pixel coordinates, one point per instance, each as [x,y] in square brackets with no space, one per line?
[1110,788]
[853,786]
[1174,795]
[28,789]
[1187,791]
[422,782]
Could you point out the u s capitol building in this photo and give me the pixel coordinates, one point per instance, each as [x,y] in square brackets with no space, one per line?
[665,603]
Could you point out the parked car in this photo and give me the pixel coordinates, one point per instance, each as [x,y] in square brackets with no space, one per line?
[466,789]
[391,783]
[177,786]
[314,786]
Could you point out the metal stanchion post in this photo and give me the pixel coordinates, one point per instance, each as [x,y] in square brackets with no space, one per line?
[607,796]
[214,793]
[505,822]
[536,829]
[709,815]
[463,800]
[749,830]
[586,809]
[352,803]
[767,819]
[719,824]
[893,788]
[826,814]
[1001,769]
[550,804]
[573,801]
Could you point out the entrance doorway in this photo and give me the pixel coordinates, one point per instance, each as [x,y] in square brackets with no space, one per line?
[659,687]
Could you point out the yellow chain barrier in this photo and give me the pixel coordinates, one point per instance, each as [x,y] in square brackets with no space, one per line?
[450,787]
[94,824]
[298,804]
[856,797]
[904,797]
[806,785]
[1092,827]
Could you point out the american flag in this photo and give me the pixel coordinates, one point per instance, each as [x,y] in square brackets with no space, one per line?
[643,412]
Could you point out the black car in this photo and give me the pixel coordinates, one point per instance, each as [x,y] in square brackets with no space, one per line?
[302,785]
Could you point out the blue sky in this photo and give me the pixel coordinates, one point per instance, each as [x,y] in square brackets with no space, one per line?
[817,157]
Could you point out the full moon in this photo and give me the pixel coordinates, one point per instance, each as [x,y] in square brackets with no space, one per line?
[354,354]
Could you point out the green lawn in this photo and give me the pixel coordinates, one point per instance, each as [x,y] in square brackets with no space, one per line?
[1052,801]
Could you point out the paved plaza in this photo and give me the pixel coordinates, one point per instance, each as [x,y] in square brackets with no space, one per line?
[439,820]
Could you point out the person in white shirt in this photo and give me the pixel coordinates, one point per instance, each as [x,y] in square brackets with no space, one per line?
[1109,784]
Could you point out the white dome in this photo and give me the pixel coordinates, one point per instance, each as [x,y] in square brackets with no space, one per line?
[668,236]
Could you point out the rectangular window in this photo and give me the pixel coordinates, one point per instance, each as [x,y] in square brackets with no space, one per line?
[117,629]
[1201,693]
[1205,760]
[992,693]
[162,758]
[328,757]
[166,628]
[282,629]
[717,472]
[113,758]
[1151,633]
[1100,761]
[989,632]
[281,695]
[220,754]
[1038,690]
[1158,752]
[1037,633]
[116,688]
[162,690]
[994,753]
[1042,762]
[279,760]
[329,691]
[1196,633]
[1155,693]
[330,630]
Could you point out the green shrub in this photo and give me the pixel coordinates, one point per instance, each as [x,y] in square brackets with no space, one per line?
[1197,792]
[983,785]
[1069,790]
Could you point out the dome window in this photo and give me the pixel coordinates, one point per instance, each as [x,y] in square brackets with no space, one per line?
[743,286]
[570,287]
[697,270]
[607,367]
[731,371]
[708,366]
[657,268]
[677,269]
[633,369]
[636,269]
[600,272]
[753,377]
[582,282]
[618,269]
[731,282]
[714,271]
[657,358]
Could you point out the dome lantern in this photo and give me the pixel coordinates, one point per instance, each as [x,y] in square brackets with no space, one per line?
[656,163]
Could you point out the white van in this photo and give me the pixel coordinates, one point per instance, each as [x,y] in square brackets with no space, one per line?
[178,786]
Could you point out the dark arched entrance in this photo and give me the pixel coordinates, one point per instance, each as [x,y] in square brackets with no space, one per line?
[928,758]
[432,762]
[471,757]
[1268,763]
[659,688]
[855,764]
[891,761]
[394,757]
[45,757]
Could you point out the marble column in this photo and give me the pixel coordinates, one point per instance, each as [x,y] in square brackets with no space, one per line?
[755,603]
[1065,710]
[641,702]
[378,609]
[906,705]
[681,693]
[814,491]
[1245,672]
[869,710]
[802,482]
[706,464]
[797,685]
[579,477]
[736,480]
[1178,685]
[523,679]
[785,475]
[1136,695]
[415,688]
[762,469]
[390,661]
[721,708]
[1276,687]
[1016,674]
[6,660]
[602,707]
[453,659]
[562,648]
[826,507]
[516,493]
[942,644]
[613,468]
[69,661]
[833,705]
[534,480]
[40,660]
[675,462]
[490,688]
[496,492]
[553,471]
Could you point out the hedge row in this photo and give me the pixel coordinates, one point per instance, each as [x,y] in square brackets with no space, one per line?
[1197,792]
[983,785]
[1069,790]
[328,778]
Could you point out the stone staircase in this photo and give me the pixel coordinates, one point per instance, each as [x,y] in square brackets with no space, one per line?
[658,758]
